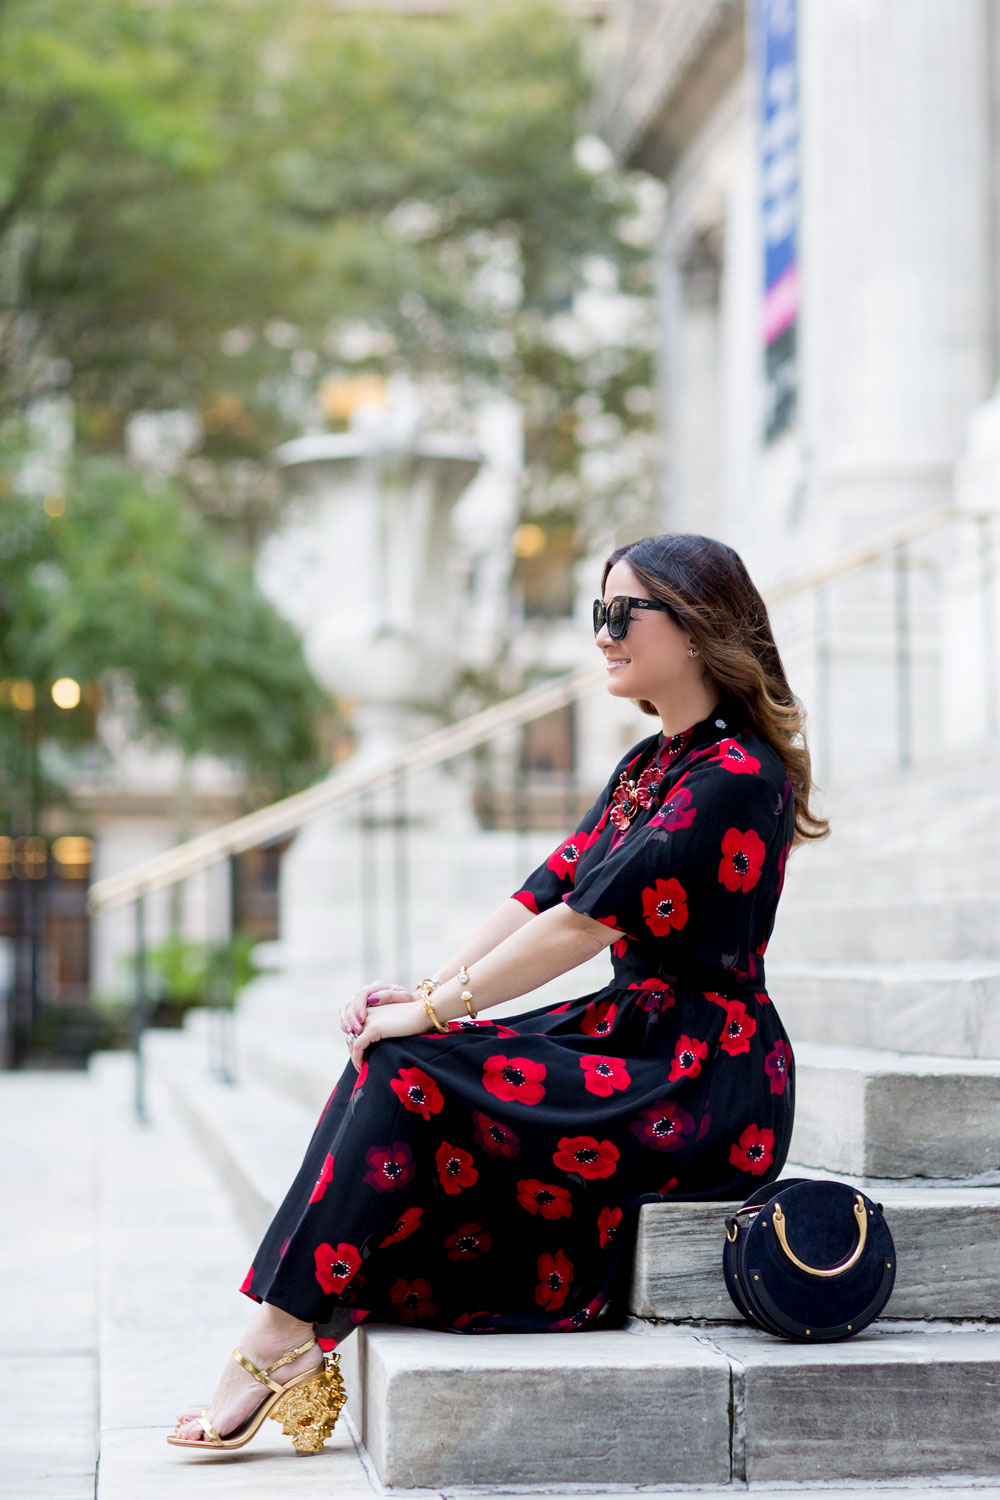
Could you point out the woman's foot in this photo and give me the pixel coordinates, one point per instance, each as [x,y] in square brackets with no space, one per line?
[270,1334]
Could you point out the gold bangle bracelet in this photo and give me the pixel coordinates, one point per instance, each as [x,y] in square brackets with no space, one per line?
[427,987]
[463,978]
[428,1007]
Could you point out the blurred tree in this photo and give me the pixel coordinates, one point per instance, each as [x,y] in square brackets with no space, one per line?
[124,591]
[206,203]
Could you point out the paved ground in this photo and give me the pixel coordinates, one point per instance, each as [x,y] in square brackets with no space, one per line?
[48,1337]
[118,1253]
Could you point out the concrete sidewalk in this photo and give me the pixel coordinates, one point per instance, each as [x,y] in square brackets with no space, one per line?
[48,1326]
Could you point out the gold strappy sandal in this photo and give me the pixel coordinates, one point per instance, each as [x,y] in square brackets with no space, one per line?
[307,1406]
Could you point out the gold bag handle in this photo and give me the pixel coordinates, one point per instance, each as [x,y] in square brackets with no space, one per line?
[861,1218]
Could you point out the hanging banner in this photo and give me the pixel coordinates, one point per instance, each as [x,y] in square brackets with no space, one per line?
[778,92]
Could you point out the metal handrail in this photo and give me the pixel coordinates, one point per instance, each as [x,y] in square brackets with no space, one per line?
[343,786]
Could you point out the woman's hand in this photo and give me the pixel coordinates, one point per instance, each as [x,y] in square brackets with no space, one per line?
[354,1014]
[399,1020]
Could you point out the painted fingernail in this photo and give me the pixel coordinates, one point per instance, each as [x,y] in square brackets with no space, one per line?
[374,999]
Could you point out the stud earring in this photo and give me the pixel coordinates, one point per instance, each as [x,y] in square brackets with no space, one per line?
[692,651]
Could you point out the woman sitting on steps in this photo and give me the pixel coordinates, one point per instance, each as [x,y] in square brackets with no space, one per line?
[486,1176]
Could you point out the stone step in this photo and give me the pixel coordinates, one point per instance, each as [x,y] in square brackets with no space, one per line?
[946,1242]
[971,777]
[888,1114]
[951,1006]
[674,1406]
[962,925]
[957,861]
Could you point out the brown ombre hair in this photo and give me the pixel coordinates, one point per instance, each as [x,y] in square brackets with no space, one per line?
[711,596]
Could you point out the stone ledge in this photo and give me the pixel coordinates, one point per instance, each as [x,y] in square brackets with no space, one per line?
[599,1408]
[960,924]
[891,1114]
[950,1006]
[945,1239]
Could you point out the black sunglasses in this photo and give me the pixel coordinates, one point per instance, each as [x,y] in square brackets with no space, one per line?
[618,611]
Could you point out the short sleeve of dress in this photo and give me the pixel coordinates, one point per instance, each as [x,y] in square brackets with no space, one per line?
[692,874]
[550,881]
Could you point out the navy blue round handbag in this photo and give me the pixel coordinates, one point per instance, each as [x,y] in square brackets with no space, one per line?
[808,1259]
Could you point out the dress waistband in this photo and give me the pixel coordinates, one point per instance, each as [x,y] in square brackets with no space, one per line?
[697,975]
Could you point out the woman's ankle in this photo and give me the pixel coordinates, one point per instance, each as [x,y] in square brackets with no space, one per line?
[272,1325]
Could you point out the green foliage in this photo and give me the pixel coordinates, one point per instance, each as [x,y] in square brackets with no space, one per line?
[188,973]
[199,197]
[128,591]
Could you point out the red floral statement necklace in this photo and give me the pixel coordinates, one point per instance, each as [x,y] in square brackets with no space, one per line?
[629,796]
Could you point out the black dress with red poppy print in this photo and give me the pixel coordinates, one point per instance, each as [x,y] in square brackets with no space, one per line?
[490,1178]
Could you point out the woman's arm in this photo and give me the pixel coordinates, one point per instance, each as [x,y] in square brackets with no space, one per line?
[508,917]
[539,950]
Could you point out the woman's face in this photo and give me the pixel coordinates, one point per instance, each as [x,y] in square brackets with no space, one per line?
[652,661]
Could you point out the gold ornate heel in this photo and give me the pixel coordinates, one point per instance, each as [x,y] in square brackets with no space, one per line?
[308,1406]
[309,1413]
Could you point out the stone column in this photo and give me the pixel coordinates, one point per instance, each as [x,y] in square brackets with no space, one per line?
[895,323]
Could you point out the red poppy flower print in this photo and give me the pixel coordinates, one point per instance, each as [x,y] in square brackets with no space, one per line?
[526,899]
[362,1075]
[739,1028]
[555,1273]
[335,1267]
[731,754]
[511,1078]
[776,1066]
[455,1168]
[663,1125]
[497,1139]
[408,1221]
[586,1156]
[754,1152]
[581,1317]
[608,1221]
[599,1018]
[468,1317]
[420,1094]
[544,1198]
[689,1054]
[704,1127]
[323,1180]
[563,861]
[668,1186]
[247,1281]
[654,994]
[389,1167]
[664,906]
[412,1300]
[742,859]
[762,997]
[467,1243]
[602,1075]
[676,811]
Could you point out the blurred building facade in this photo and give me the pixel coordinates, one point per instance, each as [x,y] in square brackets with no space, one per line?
[829,284]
